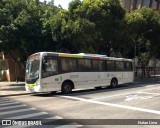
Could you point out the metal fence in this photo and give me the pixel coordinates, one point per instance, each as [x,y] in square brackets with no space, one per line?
[147,71]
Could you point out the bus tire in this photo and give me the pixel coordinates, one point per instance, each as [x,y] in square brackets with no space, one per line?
[98,87]
[66,87]
[53,92]
[114,83]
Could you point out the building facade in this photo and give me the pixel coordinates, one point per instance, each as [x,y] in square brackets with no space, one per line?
[10,69]
[131,5]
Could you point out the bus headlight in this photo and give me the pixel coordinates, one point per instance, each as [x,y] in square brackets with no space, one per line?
[38,82]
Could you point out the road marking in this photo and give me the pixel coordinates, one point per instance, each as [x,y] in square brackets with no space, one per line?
[5,101]
[8,103]
[135,97]
[115,105]
[150,86]
[71,125]
[150,93]
[54,117]
[116,95]
[16,111]
[122,94]
[16,106]
[28,115]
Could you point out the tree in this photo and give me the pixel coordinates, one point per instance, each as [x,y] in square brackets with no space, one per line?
[91,24]
[144,31]
[25,27]
[8,31]
[158,4]
[151,3]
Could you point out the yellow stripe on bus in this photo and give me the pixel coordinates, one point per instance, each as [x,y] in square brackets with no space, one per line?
[68,55]
[31,85]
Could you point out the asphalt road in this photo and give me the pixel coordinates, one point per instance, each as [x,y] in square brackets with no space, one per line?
[116,106]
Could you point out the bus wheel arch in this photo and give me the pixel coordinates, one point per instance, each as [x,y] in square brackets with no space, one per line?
[67,86]
[114,82]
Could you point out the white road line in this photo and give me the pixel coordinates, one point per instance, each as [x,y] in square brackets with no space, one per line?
[5,101]
[50,119]
[15,111]
[28,115]
[150,93]
[15,106]
[8,103]
[1,100]
[115,105]
[150,86]
[54,117]
[122,94]
[71,125]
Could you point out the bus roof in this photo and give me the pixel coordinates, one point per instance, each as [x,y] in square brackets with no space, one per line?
[83,55]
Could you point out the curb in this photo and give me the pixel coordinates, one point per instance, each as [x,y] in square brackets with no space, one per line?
[15,94]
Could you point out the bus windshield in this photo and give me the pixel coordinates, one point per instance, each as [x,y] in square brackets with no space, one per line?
[32,67]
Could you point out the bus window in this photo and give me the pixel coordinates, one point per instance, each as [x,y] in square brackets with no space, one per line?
[119,65]
[97,65]
[84,64]
[49,67]
[128,66]
[110,65]
[68,65]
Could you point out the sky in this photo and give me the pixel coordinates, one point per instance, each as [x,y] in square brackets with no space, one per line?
[63,3]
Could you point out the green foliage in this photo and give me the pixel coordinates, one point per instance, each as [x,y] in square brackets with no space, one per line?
[144,27]
[90,24]
[24,26]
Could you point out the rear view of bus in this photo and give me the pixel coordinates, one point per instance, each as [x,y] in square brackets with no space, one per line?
[33,73]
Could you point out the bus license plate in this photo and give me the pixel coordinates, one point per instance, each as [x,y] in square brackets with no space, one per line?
[31,89]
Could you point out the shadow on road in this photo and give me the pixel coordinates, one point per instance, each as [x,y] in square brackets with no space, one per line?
[83,92]
[94,91]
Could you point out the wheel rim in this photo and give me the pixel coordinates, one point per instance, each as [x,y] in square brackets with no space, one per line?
[114,83]
[67,88]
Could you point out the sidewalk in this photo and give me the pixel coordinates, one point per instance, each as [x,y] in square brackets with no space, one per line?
[147,79]
[12,88]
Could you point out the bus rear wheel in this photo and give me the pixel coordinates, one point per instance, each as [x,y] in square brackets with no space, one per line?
[66,87]
[114,83]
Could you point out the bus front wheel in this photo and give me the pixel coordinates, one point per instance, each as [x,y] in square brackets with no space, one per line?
[114,83]
[66,87]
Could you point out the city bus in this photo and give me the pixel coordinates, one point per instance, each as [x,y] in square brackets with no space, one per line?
[52,71]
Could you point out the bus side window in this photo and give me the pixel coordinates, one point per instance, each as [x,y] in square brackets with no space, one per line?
[125,66]
[49,67]
[98,65]
[110,65]
[84,65]
[43,65]
[129,66]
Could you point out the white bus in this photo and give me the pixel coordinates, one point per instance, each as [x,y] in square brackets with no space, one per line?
[52,71]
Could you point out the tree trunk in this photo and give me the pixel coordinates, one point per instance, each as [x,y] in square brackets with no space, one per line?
[158,3]
[151,3]
[142,3]
[134,4]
